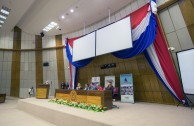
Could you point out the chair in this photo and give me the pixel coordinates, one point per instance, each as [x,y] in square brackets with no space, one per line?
[115,92]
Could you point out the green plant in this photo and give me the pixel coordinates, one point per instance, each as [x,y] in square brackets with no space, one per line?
[90,107]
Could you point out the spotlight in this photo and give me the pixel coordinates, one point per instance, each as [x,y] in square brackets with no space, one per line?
[63,17]
[71,10]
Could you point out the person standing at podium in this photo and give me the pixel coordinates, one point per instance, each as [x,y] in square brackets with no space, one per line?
[63,85]
[86,87]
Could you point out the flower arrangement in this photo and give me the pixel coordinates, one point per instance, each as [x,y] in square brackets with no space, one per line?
[90,107]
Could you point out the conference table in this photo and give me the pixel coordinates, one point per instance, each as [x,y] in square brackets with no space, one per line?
[103,98]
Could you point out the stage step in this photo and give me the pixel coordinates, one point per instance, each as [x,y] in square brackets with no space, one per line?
[59,115]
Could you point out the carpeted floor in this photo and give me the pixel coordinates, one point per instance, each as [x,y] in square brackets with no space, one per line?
[11,116]
[138,114]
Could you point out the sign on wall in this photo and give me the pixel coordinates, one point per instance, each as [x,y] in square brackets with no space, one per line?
[126,88]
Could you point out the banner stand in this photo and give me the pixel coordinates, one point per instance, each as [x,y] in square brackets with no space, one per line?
[126,88]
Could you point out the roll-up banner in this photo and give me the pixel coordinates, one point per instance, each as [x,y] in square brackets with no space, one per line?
[126,88]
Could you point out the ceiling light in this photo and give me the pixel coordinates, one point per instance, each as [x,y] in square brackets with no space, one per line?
[53,23]
[63,17]
[45,29]
[5,11]
[71,10]
[1,21]
[49,26]
[3,17]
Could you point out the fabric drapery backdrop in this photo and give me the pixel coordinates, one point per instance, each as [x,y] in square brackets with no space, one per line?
[148,38]
[160,60]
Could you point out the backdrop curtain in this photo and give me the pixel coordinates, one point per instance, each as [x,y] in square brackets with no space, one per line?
[147,38]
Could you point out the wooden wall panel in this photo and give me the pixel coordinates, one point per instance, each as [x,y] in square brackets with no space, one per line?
[187,9]
[39,62]
[147,87]
[15,70]
[60,60]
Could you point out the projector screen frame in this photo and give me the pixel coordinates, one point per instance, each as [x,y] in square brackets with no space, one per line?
[96,34]
[95,46]
[111,24]
[188,97]
[180,71]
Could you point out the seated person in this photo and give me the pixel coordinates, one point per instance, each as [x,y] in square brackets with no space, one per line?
[92,87]
[86,87]
[99,88]
[79,87]
[67,85]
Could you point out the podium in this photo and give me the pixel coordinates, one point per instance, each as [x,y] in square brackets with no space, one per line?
[42,91]
[2,98]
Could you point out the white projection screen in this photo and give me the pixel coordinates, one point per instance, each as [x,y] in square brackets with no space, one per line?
[84,47]
[114,37]
[186,65]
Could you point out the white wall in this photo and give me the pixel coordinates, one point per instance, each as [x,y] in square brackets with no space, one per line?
[50,72]
[28,41]
[27,65]
[5,71]
[6,41]
[175,30]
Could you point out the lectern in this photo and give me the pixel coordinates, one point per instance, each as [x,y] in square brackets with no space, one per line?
[42,91]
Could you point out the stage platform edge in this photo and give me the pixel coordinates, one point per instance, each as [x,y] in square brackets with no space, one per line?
[58,114]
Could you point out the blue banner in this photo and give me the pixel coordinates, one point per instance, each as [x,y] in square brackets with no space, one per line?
[126,88]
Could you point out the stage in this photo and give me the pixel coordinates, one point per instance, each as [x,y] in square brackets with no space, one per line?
[138,114]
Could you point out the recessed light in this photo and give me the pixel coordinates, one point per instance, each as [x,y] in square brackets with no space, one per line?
[49,26]
[63,17]
[72,10]
[5,11]
[3,17]
[53,23]
[45,29]
[1,21]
